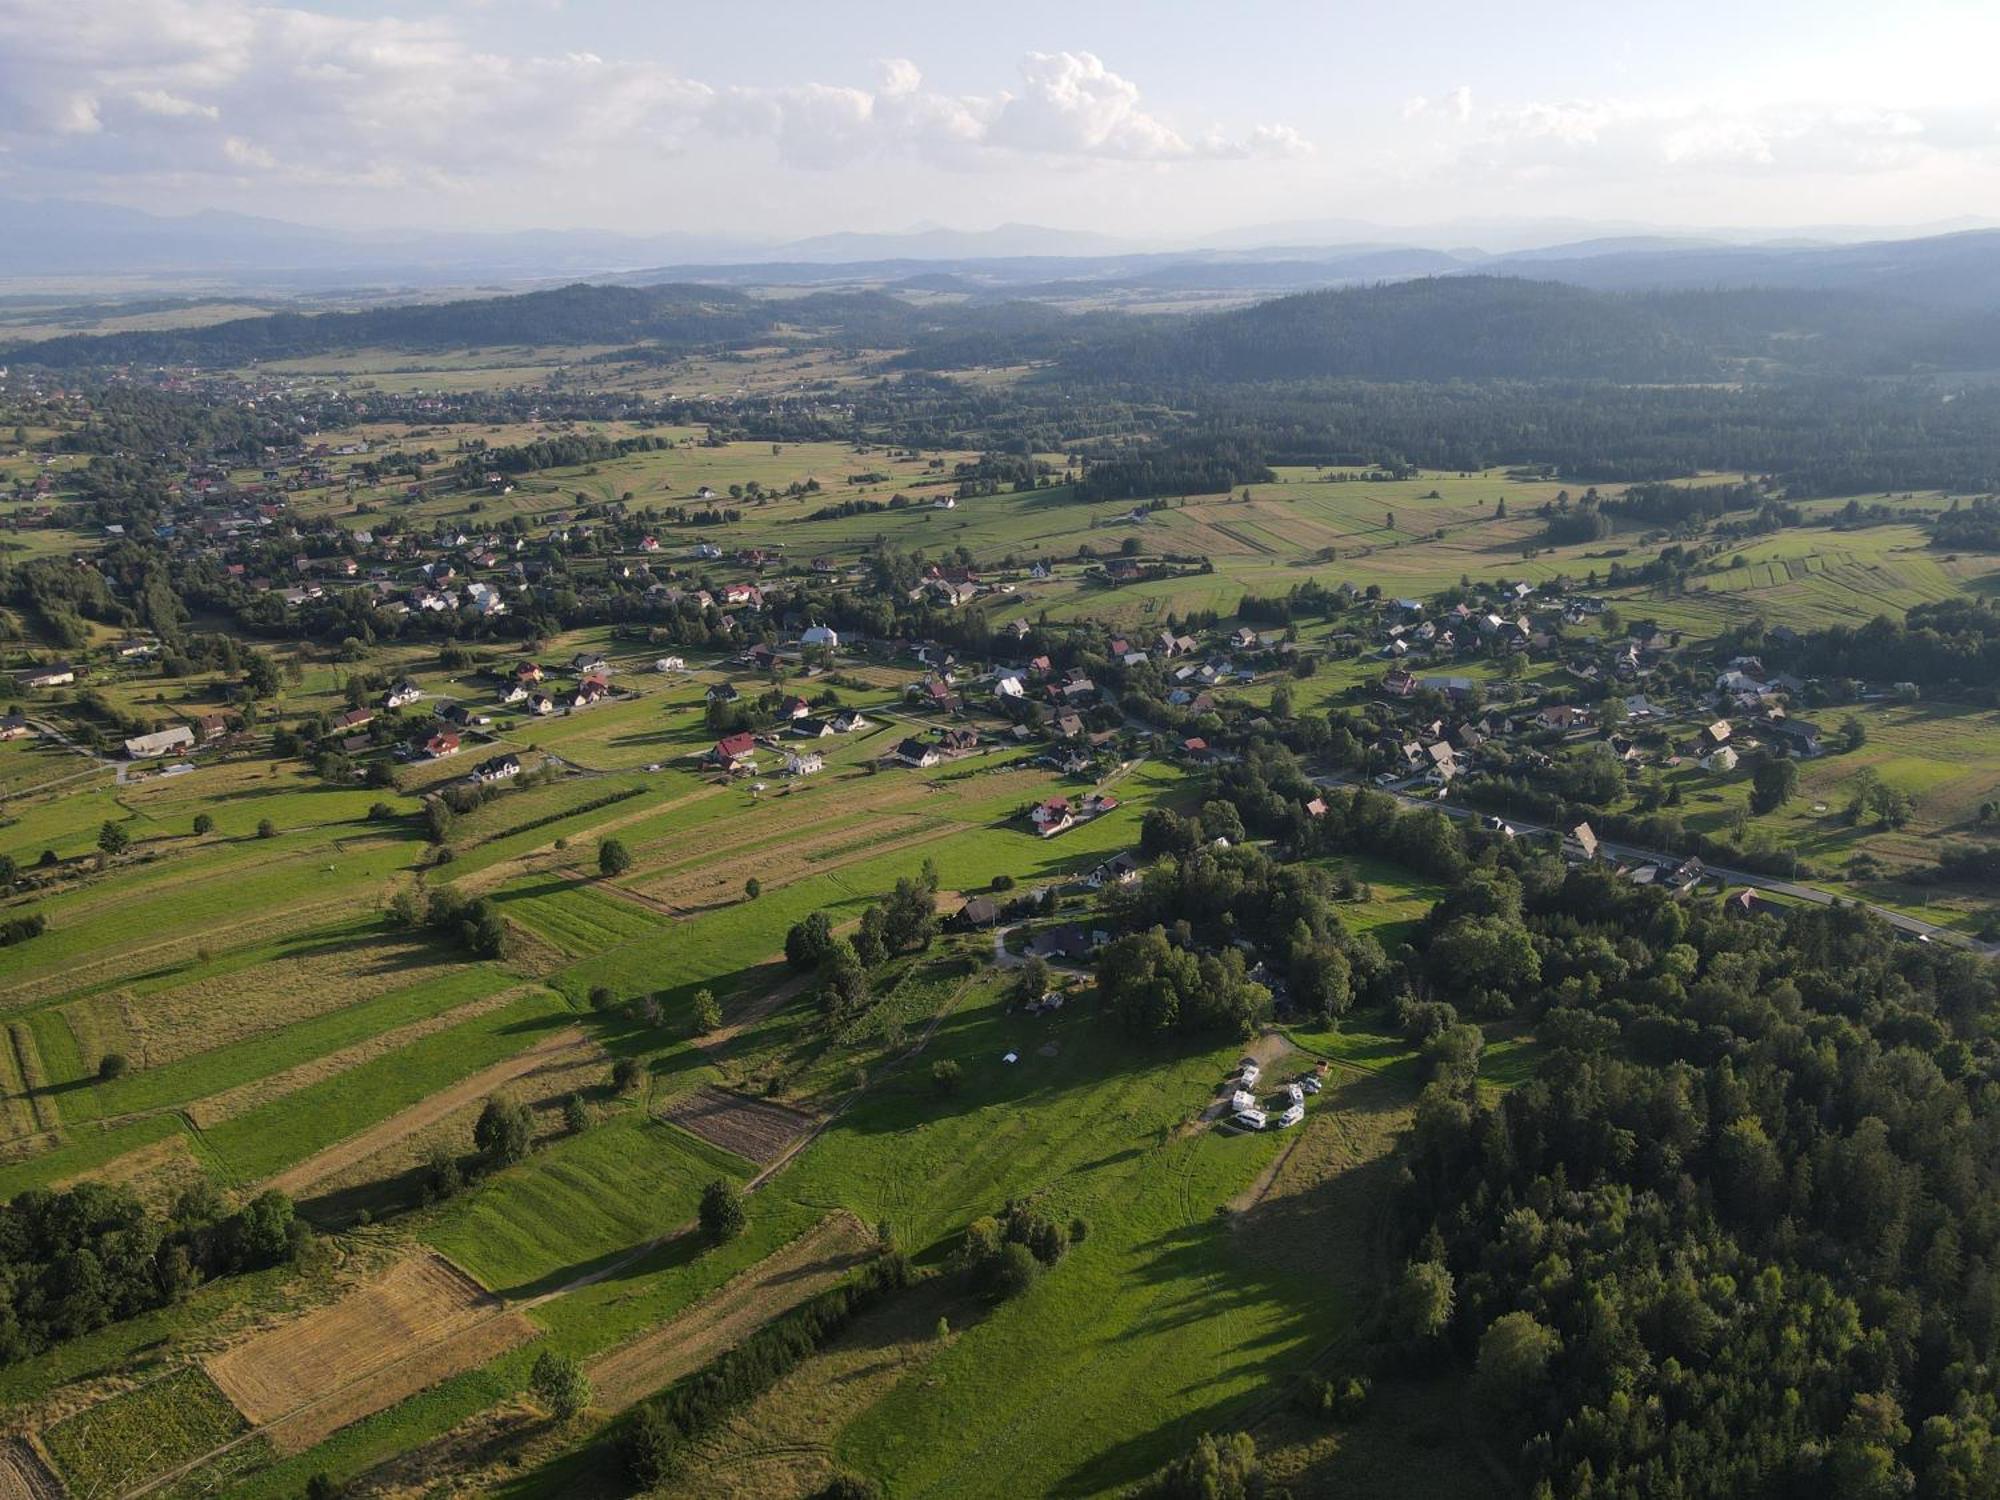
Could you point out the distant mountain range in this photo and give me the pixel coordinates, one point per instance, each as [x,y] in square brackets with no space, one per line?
[76,241]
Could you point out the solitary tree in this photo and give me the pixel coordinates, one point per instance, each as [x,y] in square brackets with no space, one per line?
[504,1132]
[1773,784]
[112,838]
[203,824]
[113,1065]
[707,1011]
[613,858]
[722,1215]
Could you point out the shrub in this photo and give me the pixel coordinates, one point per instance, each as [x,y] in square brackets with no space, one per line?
[625,1074]
[1013,1271]
[266,829]
[203,824]
[945,1077]
[576,1114]
[558,1382]
[707,1011]
[601,998]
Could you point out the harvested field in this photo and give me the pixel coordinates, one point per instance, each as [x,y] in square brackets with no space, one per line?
[558,1050]
[754,1129]
[232,1102]
[774,1286]
[226,1007]
[156,1172]
[418,1323]
[23,1475]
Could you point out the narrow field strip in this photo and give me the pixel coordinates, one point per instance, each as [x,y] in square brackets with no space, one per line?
[552,1050]
[771,1288]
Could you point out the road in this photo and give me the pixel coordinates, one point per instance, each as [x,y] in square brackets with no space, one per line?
[1901,921]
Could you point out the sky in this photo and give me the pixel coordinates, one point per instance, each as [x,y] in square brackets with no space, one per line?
[778,119]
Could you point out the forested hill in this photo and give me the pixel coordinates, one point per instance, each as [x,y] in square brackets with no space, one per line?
[1491,327]
[1433,329]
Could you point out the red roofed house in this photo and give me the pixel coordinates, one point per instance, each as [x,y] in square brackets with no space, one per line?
[1051,817]
[734,750]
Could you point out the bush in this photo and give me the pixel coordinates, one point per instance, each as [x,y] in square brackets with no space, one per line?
[945,1077]
[203,824]
[752,888]
[601,998]
[266,829]
[1013,1271]
[557,1381]
[1003,883]
[846,1486]
[722,1215]
[707,1012]
[576,1114]
[625,1074]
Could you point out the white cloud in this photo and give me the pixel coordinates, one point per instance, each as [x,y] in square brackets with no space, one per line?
[1610,137]
[139,90]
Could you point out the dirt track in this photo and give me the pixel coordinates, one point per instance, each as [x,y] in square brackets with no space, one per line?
[420,1321]
[556,1050]
[774,1286]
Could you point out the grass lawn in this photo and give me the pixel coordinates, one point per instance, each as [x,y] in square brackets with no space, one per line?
[547,1218]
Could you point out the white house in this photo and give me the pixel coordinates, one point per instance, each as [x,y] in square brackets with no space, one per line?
[402,695]
[1723,759]
[670,664]
[804,765]
[819,635]
[162,742]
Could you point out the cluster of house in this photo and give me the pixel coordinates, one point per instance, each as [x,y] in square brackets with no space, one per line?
[1056,815]
[736,754]
[1580,845]
[527,685]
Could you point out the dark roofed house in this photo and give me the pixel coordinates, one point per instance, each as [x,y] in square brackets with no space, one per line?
[1801,734]
[980,911]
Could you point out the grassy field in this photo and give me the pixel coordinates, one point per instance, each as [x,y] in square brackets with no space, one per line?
[276,1026]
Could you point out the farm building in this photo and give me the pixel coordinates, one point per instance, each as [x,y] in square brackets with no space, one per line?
[56,674]
[161,742]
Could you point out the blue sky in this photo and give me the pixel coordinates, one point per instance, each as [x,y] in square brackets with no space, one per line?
[1155,121]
